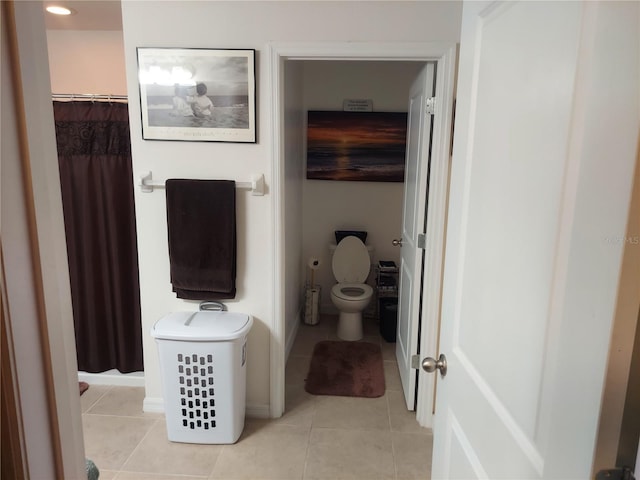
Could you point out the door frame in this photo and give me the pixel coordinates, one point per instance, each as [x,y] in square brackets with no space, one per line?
[39,318]
[444,55]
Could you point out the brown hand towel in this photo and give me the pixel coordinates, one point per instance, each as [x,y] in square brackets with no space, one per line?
[201,221]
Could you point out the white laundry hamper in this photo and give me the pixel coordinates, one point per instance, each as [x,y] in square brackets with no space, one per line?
[203,368]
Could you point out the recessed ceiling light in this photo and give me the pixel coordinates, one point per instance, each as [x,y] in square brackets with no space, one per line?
[58,10]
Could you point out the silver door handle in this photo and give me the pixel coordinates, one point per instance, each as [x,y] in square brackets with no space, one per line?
[396,242]
[430,365]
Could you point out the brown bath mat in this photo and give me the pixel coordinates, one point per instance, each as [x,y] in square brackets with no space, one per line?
[350,369]
[84,386]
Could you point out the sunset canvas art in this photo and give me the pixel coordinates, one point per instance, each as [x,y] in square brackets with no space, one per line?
[356,146]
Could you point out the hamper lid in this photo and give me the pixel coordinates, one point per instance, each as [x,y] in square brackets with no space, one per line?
[202,326]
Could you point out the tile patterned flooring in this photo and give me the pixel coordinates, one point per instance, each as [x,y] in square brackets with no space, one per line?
[318,438]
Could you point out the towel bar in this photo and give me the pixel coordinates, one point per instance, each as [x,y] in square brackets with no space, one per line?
[256,185]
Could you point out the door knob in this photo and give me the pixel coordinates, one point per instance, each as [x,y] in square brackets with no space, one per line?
[396,242]
[430,365]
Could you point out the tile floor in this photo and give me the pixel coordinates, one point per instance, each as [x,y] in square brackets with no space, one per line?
[318,438]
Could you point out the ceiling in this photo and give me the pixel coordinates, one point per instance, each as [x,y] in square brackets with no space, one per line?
[89,15]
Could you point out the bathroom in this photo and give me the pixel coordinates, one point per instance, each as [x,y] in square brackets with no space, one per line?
[374,207]
[255,223]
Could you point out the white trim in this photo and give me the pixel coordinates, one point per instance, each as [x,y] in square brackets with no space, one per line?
[258,411]
[113,377]
[153,405]
[277,355]
[436,230]
[444,55]
[416,51]
[292,336]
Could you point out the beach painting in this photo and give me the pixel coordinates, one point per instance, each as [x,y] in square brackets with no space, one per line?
[196,94]
[356,146]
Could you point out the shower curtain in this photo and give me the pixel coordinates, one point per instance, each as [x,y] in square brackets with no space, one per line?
[94,155]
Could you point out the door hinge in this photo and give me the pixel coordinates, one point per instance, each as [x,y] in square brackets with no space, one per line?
[422,241]
[430,106]
[415,361]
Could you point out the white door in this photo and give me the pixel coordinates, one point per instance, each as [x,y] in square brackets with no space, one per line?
[413,222]
[545,145]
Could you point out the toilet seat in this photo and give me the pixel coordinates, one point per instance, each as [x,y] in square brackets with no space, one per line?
[352,291]
[351,265]
[351,262]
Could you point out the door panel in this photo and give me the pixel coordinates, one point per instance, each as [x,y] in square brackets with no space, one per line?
[514,200]
[413,222]
[530,282]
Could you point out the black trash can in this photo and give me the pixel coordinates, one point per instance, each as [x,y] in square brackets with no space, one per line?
[388,318]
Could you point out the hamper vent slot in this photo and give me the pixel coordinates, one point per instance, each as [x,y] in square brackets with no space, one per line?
[196,394]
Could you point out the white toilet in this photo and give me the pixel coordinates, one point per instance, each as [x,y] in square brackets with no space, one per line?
[351,264]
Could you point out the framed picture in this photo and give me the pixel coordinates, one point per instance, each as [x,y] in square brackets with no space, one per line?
[197,94]
[356,146]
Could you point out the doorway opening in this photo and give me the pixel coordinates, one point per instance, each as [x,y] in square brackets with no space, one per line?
[292,65]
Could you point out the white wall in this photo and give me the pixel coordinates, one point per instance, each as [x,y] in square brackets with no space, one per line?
[375,207]
[86,61]
[243,25]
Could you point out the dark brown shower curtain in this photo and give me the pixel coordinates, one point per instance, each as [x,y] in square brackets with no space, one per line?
[94,154]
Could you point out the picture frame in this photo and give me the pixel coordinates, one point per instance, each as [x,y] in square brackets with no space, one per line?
[356,146]
[197,94]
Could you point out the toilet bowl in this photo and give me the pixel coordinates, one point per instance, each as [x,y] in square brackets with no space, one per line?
[351,265]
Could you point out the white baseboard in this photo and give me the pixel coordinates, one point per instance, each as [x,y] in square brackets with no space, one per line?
[113,377]
[257,411]
[153,405]
[156,405]
[291,337]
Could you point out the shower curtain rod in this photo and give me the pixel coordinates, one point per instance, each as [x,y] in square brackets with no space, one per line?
[89,96]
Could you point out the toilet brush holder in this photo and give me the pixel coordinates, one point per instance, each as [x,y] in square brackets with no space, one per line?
[312,300]
[312,295]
